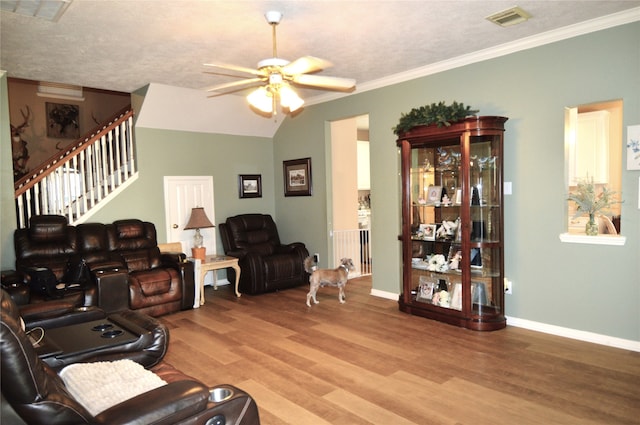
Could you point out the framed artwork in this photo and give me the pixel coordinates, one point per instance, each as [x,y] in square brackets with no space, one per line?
[250,185]
[633,147]
[63,121]
[297,177]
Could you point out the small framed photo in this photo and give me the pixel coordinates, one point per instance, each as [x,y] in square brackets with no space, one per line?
[250,185]
[428,232]
[457,199]
[434,194]
[425,290]
[297,177]
[475,258]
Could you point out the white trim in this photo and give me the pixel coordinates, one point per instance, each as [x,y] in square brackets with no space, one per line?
[610,341]
[593,25]
[384,294]
[593,240]
[625,344]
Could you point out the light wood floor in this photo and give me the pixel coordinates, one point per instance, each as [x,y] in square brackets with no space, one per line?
[364,362]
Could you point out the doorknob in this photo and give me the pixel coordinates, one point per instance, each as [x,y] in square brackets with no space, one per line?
[175,226]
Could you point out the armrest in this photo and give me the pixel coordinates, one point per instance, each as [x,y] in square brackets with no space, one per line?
[168,404]
[188,284]
[173,257]
[113,289]
[65,317]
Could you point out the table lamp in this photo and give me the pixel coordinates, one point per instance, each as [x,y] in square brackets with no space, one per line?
[198,220]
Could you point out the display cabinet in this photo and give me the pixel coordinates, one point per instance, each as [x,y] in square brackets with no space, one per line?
[452,222]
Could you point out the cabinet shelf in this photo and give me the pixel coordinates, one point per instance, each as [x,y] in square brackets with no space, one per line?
[465,238]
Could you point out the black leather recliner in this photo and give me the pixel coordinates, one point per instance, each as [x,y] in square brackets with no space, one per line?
[266,265]
[148,349]
[33,393]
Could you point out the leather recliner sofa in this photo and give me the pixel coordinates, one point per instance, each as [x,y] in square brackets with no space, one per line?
[128,270]
[33,393]
[148,349]
[266,264]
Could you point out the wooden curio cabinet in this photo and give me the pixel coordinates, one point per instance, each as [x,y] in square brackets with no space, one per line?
[452,223]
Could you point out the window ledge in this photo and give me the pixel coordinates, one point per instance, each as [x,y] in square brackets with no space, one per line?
[593,240]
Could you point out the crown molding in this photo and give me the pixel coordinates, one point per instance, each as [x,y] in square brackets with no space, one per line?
[586,27]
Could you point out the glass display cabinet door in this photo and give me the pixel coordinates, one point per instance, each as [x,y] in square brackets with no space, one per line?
[485,217]
[436,196]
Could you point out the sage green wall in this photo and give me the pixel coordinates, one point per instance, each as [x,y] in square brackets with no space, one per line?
[177,153]
[585,287]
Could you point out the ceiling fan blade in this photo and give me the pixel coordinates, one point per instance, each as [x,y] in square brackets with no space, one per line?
[329,83]
[305,65]
[235,68]
[235,84]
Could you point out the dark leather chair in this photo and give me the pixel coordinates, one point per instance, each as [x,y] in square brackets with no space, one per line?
[148,349]
[126,268]
[158,283]
[266,265]
[49,242]
[33,393]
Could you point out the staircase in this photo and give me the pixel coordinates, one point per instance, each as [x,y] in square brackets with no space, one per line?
[81,178]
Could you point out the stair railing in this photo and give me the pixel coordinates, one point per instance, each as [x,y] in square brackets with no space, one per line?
[78,178]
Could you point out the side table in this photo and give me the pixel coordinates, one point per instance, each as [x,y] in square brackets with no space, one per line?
[217,262]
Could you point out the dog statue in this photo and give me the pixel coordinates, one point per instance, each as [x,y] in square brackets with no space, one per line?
[323,277]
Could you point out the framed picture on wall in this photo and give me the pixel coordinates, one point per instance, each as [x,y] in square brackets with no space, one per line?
[250,185]
[297,177]
[63,120]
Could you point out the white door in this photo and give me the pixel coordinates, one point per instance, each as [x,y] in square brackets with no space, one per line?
[181,194]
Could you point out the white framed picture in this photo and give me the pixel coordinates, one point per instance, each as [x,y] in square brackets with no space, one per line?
[434,193]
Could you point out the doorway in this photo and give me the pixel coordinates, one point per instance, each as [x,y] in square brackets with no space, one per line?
[350,194]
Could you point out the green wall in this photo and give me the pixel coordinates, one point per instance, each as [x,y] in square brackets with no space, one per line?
[585,287]
[177,153]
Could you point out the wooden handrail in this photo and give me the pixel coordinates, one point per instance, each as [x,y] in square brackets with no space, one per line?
[49,166]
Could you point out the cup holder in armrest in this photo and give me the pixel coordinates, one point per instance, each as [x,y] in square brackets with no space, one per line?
[220,394]
[102,327]
[112,333]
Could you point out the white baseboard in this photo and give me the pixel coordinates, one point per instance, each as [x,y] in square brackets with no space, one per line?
[625,344]
[384,294]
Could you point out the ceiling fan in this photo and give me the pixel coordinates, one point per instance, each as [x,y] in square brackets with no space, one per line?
[277,75]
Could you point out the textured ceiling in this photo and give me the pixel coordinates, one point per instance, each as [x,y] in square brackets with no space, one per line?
[125,45]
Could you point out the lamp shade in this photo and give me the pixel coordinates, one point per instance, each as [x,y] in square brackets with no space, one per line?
[198,219]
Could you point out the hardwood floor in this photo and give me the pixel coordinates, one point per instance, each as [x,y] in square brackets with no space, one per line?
[364,362]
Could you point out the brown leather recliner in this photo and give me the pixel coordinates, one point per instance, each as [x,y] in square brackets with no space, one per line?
[158,283]
[126,267]
[50,242]
[33,393]
[148,349]
[266,265]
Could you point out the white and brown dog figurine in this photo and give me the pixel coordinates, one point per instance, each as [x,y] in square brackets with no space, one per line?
[327,277]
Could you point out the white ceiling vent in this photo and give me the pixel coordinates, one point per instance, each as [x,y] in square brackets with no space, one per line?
[511,16]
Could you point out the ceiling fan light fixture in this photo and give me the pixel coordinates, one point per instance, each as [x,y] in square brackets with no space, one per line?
[261,99]
[290,99]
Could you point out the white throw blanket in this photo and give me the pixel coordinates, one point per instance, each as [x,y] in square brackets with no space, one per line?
[101,385]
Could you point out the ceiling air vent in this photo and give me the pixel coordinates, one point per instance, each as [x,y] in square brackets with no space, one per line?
[511,16]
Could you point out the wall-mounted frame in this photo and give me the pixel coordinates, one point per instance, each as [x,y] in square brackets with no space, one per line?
[63,120]
[250,185]
[297,177]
